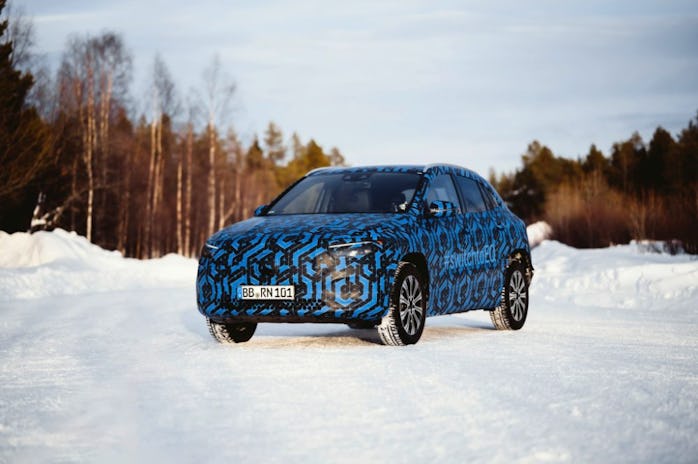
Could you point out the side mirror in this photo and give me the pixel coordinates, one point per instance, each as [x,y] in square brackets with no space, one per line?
[260,210]
[439,208]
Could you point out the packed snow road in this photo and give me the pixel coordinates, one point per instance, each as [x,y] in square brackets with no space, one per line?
[122,369]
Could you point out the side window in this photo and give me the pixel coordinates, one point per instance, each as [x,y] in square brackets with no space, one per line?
[490,201]
[441,188]
[471,195]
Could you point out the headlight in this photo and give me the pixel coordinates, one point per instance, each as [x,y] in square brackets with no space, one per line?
[355,249]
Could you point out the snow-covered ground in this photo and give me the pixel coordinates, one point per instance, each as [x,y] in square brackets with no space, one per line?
[104,359]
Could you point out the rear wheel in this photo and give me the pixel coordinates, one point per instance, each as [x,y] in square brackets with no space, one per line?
[234,332]
[512,311]
[404,323]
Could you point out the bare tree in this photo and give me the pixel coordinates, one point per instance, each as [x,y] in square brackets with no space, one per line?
[21,33]
[219,90]
[163,103]
[93,71]
[189,149]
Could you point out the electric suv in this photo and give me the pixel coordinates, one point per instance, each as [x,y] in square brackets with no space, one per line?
[382,247]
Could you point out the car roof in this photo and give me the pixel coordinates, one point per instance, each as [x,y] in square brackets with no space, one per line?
[387,168]
[379,168]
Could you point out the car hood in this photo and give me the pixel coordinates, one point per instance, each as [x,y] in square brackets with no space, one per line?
[329,228]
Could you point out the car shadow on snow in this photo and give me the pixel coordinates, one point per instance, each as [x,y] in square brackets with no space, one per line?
[337,335]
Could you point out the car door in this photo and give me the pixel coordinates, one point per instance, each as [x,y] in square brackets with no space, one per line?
[500,241]
[478,244]
[444,244]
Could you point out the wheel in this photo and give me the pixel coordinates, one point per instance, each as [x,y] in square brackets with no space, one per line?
[512,311]
[234,332]
[404,323]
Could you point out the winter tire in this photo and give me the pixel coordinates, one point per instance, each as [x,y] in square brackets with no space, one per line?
[236,332]
[404,323]
[513,309]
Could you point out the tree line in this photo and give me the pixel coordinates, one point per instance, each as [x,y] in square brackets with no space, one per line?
[75,154]
[640,191]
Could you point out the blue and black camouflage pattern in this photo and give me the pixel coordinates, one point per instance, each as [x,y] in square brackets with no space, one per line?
[464,257]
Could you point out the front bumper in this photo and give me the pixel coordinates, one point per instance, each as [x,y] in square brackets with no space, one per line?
[329,287]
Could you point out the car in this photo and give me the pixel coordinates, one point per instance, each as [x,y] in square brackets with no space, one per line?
[372,247]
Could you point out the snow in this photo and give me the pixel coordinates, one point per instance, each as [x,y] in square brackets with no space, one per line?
[45,264]
[537,232]
[105,359]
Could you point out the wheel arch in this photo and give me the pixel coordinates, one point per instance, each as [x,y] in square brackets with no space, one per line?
[420,262]
[524,256]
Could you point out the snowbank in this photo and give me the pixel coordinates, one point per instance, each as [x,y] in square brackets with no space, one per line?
[64,263]
[23,250]
[537,232]
[622,276]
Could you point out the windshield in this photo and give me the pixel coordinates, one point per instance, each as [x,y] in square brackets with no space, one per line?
[349,192]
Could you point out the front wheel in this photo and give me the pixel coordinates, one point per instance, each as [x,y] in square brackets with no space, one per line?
[234,332]
[512,311]
[404,323]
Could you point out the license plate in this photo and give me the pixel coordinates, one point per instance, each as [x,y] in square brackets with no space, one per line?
[266,292]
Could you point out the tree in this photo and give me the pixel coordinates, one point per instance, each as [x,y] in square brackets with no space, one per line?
[94,74]
[24,139]
[219,91]
[595,161]
[20,32]
[626,158]
[163,105]
[656,172]
[687,157]
[336,157]
[315,157]
[274,144]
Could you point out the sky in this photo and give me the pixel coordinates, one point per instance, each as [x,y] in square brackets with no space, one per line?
[410,81]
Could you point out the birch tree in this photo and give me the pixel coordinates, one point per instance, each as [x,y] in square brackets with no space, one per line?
[92,70]
[163,103]
[218,93]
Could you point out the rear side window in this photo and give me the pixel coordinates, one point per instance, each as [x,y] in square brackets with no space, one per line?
[489,198]
[472,197]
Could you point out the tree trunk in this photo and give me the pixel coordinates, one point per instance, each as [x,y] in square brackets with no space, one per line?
[159,180]
[149,200]
[102,143]
[180,244]
[88,152]
[124,209]
[73,191]
[187,203]
[238,196]
[211,178]
[221,204]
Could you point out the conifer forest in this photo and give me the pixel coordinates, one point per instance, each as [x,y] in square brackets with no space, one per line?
[78,153]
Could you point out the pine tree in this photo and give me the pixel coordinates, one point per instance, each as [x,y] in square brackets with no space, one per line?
[336,157]
[626,159]
[656,170]
[595,161]
[24,141]
[688,155]
[274,144]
